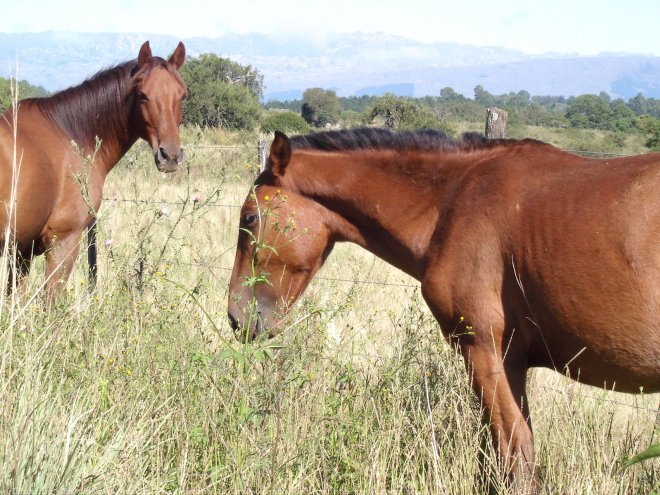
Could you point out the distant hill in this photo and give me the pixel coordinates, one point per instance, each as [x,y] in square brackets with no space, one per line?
[355,64]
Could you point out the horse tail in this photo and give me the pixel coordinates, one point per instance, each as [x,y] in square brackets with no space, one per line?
[91,253]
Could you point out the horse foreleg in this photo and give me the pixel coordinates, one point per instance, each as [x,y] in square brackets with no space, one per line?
[60,258]
[500,385]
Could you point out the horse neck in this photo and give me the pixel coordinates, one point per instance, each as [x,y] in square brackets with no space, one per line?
[390,205]
[96,115]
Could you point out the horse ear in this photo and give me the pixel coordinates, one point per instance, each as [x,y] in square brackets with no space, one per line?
[178,57]
[280,153]
[145,55]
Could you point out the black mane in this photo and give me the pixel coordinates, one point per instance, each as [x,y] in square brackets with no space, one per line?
[370,138]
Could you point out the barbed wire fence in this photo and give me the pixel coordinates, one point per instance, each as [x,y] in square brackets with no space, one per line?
[261,154]
[566,393]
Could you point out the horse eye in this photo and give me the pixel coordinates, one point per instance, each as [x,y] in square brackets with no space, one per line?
[249,220]
[143,96]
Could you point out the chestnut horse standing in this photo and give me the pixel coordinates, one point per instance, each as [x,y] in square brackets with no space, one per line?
[527,255]
[55,154]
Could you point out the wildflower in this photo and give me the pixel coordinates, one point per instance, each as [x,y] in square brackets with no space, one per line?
[165,211]
[461,319]
[108,243]
[197,199]
[266,198]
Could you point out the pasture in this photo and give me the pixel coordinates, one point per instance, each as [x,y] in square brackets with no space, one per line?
[140,386]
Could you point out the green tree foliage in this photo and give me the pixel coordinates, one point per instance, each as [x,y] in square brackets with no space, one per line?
[25,90]
[320,107]
[399,112]
[650,126]
[589,112]
[582,112]
[291,105]
[483,97]
[285,121]
[392,110]
[623,117]
[221,93]
[356,103]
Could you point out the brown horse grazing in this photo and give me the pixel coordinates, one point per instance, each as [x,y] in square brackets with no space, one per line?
[527,256]
[55,153]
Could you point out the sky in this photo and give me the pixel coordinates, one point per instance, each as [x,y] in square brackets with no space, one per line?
[585,27]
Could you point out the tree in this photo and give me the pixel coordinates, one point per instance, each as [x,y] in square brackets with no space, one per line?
[400,112]
[320,107]
[285,121]
[623,118]
[483,97]
[638,104]
[650,126]
[448,94]
[391,109]
[25,90]
[221,93]
[589,112]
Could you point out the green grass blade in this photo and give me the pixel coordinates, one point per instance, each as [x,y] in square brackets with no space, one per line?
[652,451]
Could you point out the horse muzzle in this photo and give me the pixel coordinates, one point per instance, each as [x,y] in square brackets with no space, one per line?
[249,332]
[168,161]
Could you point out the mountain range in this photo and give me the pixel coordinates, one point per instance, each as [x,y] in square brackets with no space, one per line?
[351,64]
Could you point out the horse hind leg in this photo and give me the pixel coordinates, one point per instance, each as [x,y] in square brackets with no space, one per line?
[19,264]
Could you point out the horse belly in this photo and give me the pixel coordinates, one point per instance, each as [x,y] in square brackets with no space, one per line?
[27,188]
[598,318]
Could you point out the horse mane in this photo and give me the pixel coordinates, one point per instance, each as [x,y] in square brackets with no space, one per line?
[99,106]
[371,138]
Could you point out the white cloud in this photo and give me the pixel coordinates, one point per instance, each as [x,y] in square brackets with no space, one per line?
[587,27]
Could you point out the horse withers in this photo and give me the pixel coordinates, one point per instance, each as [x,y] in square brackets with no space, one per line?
[528,256]
[56,152]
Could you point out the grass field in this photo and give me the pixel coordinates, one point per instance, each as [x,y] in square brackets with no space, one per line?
[140,388]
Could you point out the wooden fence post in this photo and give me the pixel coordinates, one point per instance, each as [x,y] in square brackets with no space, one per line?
[496,123]
[261,154]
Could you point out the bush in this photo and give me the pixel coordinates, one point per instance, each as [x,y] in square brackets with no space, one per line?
[287,122]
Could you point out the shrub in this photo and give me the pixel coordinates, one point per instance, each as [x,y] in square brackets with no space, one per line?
[287,122]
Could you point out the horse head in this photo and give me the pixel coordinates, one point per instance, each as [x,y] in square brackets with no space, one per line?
[284,238]
[159,91]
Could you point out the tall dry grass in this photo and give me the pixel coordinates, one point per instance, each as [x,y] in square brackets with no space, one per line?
[140,387]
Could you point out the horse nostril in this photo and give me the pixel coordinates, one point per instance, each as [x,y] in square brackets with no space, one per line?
[163,154]
[179,156]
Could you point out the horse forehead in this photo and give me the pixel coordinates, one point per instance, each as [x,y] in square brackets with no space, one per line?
[162,80]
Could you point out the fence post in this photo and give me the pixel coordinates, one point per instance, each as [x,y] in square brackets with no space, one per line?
[261,154]
[496,123]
